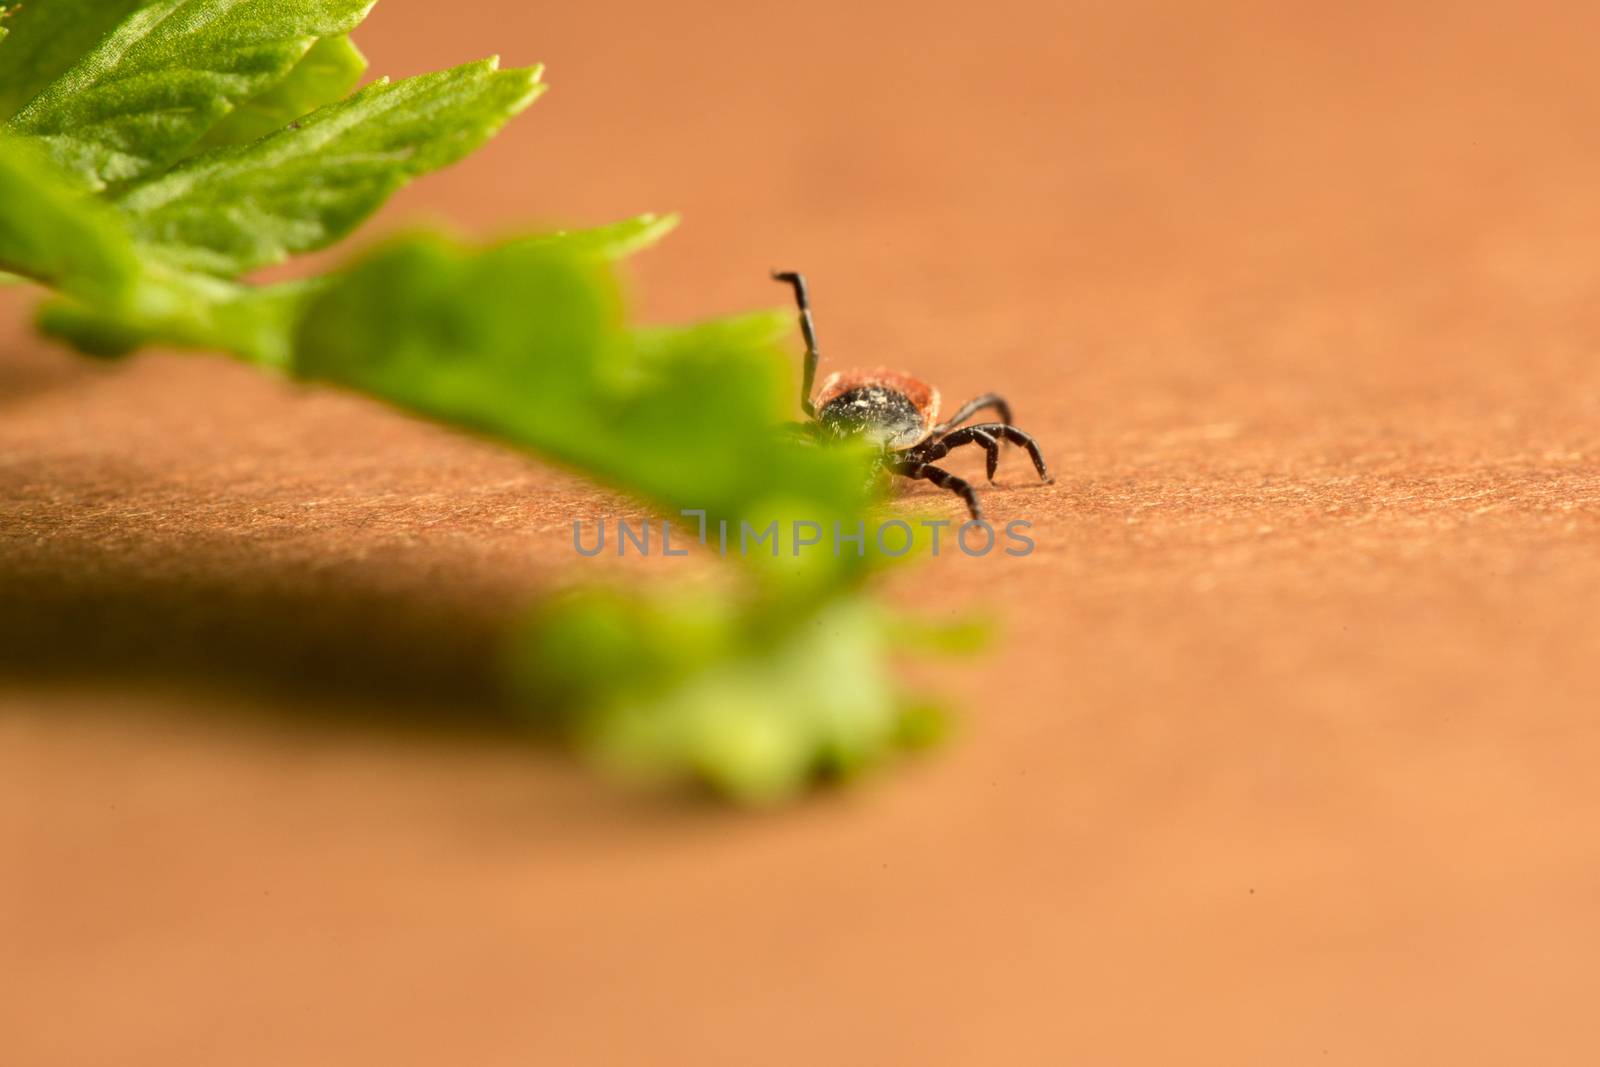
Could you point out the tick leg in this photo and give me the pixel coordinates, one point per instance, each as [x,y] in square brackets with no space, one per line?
[803,302]
[1005,432]
[944,480]
[967,435]
[972,407]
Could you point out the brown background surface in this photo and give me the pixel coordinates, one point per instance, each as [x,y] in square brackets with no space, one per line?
[1290,753]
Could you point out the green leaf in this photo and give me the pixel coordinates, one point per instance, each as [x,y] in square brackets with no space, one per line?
[526,342]
[169,72]
[692,687]
[513,342]
[47,37]
[90,332]
[257,323]
[612,241]
[234,209]
[253,322]
[59,237]
[957,637]
[76,244]
[327,73]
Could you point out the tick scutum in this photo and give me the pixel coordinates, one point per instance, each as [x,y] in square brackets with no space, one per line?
[876,412]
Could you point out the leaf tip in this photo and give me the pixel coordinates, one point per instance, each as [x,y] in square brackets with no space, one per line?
[654,226]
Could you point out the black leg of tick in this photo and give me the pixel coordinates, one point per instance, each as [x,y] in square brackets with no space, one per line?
[939,447]
[944,480]
[985,434]
[803,302]
[972,407]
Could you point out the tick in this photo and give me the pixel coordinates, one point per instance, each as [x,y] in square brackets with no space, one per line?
[896,412]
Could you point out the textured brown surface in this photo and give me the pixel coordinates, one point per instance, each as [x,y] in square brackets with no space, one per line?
[1290,757]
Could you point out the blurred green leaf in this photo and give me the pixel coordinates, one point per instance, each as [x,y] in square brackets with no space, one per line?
[137,101]
[957,637]
[56,236]
[255,322]
[507,342]
[700,688]
[526,342]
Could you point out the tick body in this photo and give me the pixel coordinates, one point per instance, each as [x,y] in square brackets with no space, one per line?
[899,414]
[890,409]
